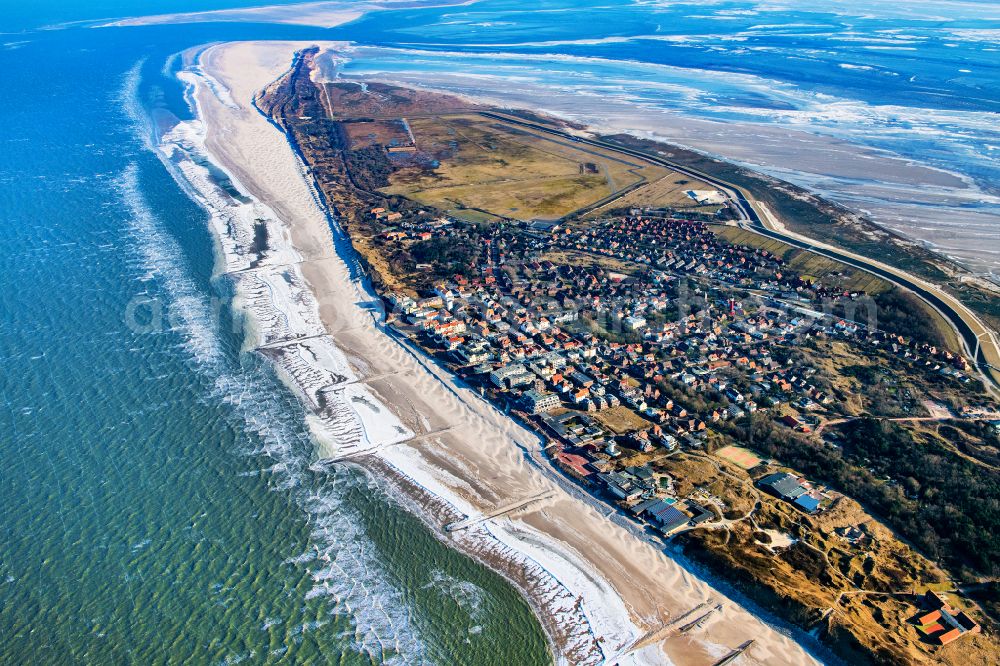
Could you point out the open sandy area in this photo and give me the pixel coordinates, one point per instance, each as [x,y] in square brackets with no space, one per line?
[322,14]
[598,586]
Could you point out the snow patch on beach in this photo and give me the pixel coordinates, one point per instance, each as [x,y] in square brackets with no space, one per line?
[342,563]
[283,320]
[234,222]
[590,612]
[592,597]
[593,624]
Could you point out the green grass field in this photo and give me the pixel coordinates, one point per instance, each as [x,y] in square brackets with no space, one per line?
[506,171]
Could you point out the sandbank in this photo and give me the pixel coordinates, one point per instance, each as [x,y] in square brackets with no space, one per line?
[323,14]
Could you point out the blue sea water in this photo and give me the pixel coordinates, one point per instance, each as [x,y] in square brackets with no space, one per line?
[157,490]
[159,501]
[939,56]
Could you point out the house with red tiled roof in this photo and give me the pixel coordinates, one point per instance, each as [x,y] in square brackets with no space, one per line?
[942,624]
[575,463]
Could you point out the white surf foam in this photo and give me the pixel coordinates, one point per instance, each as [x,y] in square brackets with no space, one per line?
[342,561]
[281,310]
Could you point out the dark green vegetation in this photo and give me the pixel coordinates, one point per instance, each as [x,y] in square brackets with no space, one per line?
[987,595]
[902,313]
[447,257]
[369,167]
[948,505]
[906,475]
[974,438]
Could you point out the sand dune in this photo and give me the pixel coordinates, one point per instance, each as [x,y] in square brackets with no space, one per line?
[597,586]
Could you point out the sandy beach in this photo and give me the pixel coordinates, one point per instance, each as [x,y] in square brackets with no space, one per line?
[603,592]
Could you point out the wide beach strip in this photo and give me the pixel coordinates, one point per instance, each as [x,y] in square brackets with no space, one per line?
[465,453]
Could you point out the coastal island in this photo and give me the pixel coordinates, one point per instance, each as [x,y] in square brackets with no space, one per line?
[597,370]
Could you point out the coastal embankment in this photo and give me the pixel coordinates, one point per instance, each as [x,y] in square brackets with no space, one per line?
[600,591]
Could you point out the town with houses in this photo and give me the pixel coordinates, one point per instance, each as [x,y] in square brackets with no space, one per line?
[514,329]
[801,427]
[630,342]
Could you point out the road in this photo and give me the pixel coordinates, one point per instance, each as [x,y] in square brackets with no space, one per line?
[899,419]
[980,341]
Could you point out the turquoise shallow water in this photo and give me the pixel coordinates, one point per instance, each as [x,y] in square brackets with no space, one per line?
[156,489]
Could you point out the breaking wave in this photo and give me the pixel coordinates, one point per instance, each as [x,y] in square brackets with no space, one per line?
[342,561]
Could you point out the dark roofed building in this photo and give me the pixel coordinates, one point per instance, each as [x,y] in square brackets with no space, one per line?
[663,513]
[699,513]
[543,225]
[621,486]
[641,472]
[642,507]
[671,518]
[783,485]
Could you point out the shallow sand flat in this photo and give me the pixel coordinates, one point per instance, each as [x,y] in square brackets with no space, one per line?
[323,14]
[474,458]
[919,201]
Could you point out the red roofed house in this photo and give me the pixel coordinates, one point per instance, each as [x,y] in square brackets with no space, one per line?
[574,463]
[943,624]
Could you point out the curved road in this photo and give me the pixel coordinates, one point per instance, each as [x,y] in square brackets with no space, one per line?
[978,339]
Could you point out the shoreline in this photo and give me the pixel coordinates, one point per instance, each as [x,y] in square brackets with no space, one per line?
[619,585]
[418,498]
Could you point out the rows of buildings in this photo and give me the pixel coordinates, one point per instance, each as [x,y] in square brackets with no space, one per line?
[644,323]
